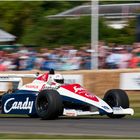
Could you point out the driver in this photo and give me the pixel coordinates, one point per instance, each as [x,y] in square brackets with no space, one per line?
[51,78]
[58,78]
[55,81]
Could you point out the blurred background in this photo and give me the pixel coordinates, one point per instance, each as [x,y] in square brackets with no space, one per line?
[57,34]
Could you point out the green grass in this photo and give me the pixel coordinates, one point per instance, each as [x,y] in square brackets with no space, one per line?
[136,112]
[39,136]
[135,104]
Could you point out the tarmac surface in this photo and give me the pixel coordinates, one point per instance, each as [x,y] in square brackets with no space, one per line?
[72,126]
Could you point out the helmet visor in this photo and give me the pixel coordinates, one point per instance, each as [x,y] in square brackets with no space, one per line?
[60,81]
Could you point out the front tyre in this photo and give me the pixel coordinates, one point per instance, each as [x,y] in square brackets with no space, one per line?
[116,98]
[49,104]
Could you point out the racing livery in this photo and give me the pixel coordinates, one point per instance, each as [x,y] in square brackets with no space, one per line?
[49,97]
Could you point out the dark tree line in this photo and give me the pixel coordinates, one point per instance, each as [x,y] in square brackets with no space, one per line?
[28,21]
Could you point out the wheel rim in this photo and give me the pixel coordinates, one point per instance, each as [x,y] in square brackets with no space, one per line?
[42,104]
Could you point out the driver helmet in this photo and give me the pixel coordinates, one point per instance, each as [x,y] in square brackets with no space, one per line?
[58,78]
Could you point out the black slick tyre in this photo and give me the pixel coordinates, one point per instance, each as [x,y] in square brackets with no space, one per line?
[49,104]
[116,98]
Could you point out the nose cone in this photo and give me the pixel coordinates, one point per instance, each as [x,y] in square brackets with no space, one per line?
[107,108]
[104,106]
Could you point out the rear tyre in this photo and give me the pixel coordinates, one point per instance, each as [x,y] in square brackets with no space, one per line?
[49,104]
[116,98]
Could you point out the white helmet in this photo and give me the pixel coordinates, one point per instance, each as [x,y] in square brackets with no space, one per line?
[58,78]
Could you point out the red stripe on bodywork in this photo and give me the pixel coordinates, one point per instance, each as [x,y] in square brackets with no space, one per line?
[43,77]
[77,89]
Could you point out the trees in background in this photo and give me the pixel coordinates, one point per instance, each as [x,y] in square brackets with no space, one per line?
[118,36]
[28,21]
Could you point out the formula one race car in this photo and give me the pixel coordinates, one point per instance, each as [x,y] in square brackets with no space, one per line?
[49,97]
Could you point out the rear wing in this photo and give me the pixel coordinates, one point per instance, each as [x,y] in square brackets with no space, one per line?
[16,79]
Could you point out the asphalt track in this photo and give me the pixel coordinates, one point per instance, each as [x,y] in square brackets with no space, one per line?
[72,126]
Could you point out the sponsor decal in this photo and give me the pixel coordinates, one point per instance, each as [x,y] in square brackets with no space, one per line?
[77,89]
[70,114]
[105,107]
[4,77]
[130,81]
[32,86]
[80,90]
[43,87]
[137,80]
[73,78]
[18,105]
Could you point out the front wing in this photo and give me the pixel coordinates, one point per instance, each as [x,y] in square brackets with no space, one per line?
[116,111]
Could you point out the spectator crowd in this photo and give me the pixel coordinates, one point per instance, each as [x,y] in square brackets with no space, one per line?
[110,56]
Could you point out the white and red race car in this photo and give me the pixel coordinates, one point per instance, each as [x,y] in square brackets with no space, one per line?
[49,97]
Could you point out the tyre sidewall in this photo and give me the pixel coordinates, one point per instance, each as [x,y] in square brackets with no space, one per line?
[120,100]
[54,104]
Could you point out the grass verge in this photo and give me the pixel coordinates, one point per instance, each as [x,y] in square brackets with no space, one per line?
[41,136]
